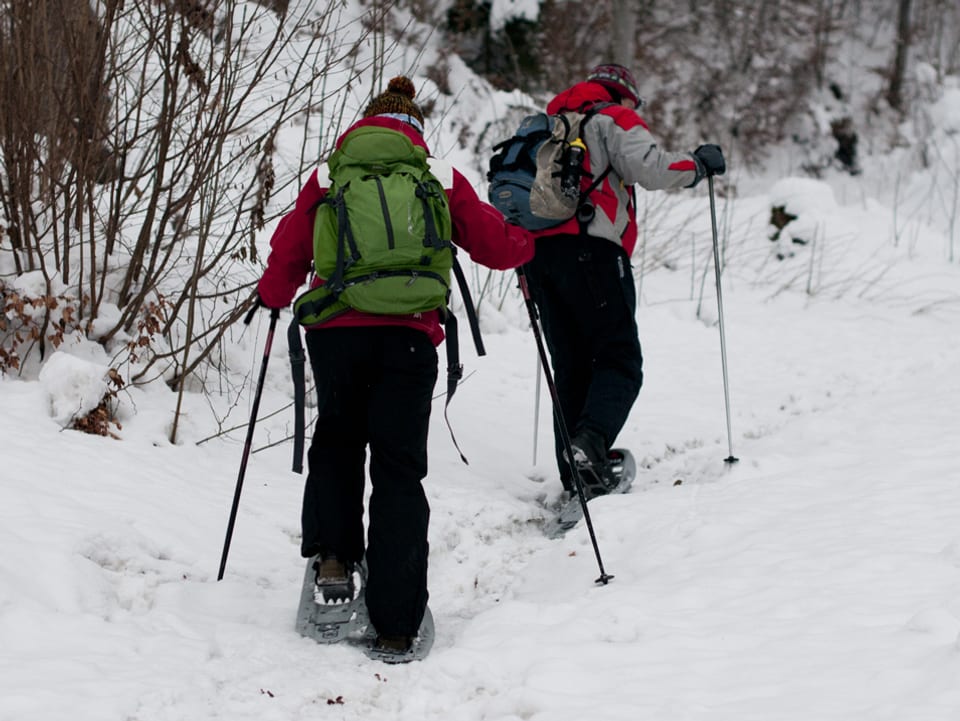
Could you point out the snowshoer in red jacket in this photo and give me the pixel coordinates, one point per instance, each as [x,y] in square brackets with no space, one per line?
[581,278]
[375,376]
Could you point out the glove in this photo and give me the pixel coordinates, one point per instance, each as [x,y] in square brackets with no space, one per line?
[710,161]
[274,312]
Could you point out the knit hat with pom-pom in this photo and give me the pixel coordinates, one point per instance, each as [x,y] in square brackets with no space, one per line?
[397,101]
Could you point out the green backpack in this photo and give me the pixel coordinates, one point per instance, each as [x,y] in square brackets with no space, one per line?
[382,242]
[382,235]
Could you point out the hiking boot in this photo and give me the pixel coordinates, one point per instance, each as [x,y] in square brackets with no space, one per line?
[590,459]
[589,450]
[334,580]
[392,649]
[393,644]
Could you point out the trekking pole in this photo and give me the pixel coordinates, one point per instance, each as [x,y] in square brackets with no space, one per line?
[536,412]
[605,578]
[274,315]
[731,459]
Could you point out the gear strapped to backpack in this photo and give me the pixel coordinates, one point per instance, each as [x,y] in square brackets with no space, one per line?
[382,243]
[536,176]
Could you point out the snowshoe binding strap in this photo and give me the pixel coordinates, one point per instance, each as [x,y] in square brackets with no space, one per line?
[334,581]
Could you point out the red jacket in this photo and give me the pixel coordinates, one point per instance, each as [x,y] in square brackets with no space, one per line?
[478,228]
[619,138]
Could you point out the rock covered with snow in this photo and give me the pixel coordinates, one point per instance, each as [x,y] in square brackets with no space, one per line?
[74,386]
[798,209]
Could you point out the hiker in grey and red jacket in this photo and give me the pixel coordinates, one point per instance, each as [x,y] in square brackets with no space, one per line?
[581,278]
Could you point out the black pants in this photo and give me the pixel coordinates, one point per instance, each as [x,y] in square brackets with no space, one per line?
[584,291]
[374,388]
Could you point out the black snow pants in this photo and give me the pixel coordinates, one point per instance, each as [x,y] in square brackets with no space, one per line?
[374,389]
[584,291]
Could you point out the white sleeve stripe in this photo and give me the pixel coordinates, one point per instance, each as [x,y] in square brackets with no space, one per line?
[443,172]
[323,175]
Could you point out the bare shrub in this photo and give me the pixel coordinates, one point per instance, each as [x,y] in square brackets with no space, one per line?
[138,160]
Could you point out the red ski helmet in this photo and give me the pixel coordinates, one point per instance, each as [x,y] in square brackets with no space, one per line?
[618,79]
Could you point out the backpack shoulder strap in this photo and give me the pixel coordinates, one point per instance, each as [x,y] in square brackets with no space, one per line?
[590,109]
[590,112]
[588,115]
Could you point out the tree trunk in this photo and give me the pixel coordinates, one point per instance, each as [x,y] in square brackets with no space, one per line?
[623,35]
[895,90]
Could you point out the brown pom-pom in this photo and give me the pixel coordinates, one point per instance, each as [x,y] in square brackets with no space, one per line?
[396,99]
[402,85]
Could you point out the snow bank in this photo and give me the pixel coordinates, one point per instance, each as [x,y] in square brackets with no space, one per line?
[74,386]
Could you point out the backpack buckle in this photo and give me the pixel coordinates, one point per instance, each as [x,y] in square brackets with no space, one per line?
[455,372]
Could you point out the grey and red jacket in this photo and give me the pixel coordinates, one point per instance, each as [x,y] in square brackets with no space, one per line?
[617,136]
[478,228]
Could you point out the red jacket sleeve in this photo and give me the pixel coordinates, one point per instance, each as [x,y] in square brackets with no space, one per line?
[478,228]
[291,249]
[481,230]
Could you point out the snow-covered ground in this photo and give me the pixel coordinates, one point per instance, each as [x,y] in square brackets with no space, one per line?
[819,577]
[816,579]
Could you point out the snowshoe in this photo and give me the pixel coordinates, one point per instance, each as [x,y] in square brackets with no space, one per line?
[389,651]
[327,619]
[332,612]
[616,476]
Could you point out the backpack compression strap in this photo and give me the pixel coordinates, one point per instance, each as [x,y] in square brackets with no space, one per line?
[432,235]
[344,240]
[454,366]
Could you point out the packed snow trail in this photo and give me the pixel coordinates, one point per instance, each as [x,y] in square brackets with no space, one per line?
[817,578]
